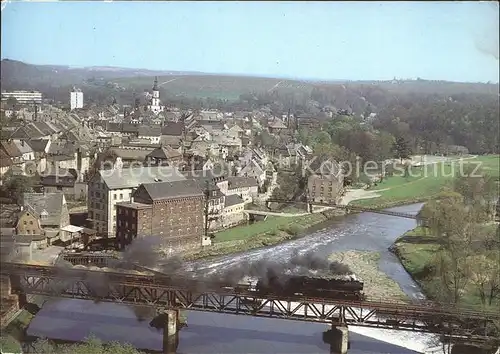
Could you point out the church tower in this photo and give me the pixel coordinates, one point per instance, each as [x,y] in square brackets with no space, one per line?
[155,105]
[155,102]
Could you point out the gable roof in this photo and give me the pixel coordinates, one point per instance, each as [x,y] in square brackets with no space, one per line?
[50,202]
[252,165]
[276,123]
[10,148]
[170,140]
[23,147]
[133,177]
[152,130]
[5,160]
[241,182]
[173,129]
[164,152]
[171,190]
[38,145]
[233,199]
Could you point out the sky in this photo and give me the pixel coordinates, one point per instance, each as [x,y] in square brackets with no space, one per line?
[455,41]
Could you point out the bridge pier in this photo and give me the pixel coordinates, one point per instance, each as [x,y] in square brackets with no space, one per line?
[170,334]
[338,338]
[10,282]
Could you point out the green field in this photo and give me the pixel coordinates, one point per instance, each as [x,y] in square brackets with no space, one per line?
[490,164]
[271,225]
[215,86]
[424,182]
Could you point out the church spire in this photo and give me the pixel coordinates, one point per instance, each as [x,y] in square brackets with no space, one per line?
[155,85]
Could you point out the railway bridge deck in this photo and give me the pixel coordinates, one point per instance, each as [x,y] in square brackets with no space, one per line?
[152,290]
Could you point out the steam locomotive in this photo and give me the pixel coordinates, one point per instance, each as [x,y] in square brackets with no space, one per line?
[347,288]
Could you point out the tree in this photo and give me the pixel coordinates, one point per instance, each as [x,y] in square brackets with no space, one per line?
[264,139]
[9,345]
[454,227]
[321,138]
[479,190]
[91,345]
[485,275]
[15,186]
[401,149]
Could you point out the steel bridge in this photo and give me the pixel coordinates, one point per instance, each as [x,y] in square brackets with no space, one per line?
[345,207]
[147,289]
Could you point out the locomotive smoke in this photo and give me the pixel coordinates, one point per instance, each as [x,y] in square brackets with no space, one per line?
[311,261]
[144,252]
[265,270]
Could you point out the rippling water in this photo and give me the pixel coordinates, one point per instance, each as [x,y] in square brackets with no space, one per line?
[216,333]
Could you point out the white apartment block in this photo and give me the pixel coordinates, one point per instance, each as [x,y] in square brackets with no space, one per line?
[23,97]
[108,187]
[76,99]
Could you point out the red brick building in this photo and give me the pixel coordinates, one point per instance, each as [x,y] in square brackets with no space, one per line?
[172,210]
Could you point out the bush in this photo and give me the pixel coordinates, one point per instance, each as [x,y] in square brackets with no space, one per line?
[9,345]
[90,345]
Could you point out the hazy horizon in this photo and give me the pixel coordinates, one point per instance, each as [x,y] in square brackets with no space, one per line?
[201,73]
[316,41]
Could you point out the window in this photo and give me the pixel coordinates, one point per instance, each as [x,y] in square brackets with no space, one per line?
[121,196]
[25,222]
[114,196]
[31,222]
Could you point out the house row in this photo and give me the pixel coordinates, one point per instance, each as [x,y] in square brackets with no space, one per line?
[41,220]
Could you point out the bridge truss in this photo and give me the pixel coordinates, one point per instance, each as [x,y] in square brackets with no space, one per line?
[475,326]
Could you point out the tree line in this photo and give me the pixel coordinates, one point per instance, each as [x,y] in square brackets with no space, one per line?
[466,265]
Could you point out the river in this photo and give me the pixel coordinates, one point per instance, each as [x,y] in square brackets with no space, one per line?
[216,333]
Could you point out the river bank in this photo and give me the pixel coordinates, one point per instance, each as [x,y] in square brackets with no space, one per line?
[417,248]
[377,285]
